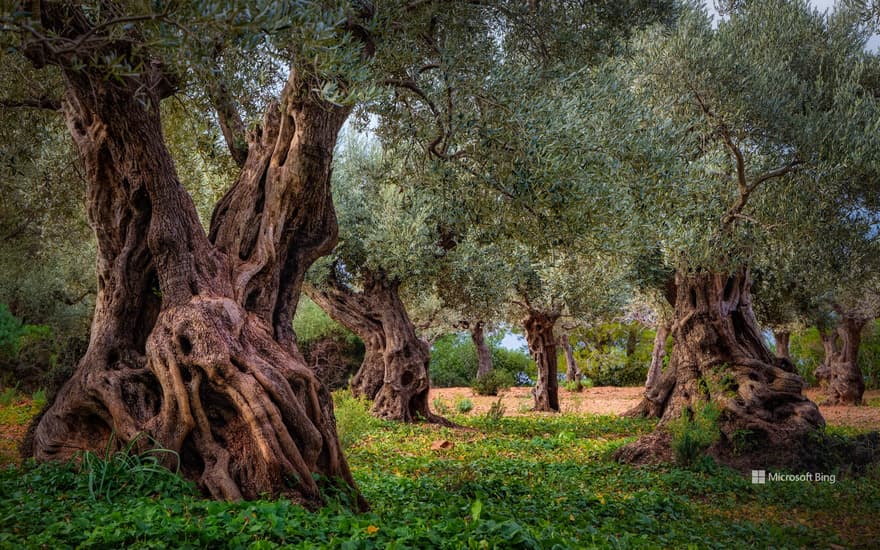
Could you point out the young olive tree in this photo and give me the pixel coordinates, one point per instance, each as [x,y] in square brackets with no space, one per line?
[734,121]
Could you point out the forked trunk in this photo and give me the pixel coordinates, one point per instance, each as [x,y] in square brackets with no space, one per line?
[829,345]
[572,373]
[782,337]
[719,357]
[846,385]
[542,345]
[484,354]
[394,374]
[655,396]
[191,342]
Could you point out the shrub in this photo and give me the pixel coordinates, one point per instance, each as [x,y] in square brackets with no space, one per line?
[353,417]
[28,353]
[39,397]
[492,382]
[440,406]
[454,362]
[9,395]
[464,405]
[573,385]
[694,432]
[615,354]
[807,353]
[869,355]
[496,411]
[331,350]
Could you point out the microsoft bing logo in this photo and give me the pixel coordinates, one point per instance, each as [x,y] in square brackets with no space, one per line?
[759,476]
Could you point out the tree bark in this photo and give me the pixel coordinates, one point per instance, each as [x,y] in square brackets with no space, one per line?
[572,373]
[542,345]
[484,354]
[655,394]
[829,345]
[719,356]
[186,343]
[394,374]
[846,385]
[782,337]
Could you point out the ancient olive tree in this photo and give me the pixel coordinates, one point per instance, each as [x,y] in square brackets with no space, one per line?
[191,340]
[388,240]
[735,121]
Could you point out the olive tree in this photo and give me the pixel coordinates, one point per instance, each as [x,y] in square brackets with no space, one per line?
[734,121]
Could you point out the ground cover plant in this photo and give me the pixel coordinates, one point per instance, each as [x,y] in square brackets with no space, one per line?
[533,481]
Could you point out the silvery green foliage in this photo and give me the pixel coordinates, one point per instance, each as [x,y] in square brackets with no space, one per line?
[787,89]
[46,247]
[385,225]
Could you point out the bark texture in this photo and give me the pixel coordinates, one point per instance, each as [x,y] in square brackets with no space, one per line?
[845,383]
[829,345]
[542,345]
[484,354]
[719,356]
[655,395]
[782,337]
[188,343]
[394,374]
[572,373]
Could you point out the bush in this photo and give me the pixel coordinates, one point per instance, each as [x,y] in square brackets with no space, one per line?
[807,353]
[869,355]
[353,417]
[331,350]
[615,354]
[464,405]
[30,355]
[693,433]
[492,382]
[454,362]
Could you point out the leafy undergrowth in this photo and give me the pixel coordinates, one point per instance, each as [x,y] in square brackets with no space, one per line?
[14,418]
[523,482]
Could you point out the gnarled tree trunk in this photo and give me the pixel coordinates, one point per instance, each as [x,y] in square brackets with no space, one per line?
[484,354]
[191,341]
[829,345]
[846,385]
[394,374]
[542,345]
[719,356]
[572,373]
[655,394]
[782,337]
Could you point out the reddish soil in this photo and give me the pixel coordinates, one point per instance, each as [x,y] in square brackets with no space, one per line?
[610,400]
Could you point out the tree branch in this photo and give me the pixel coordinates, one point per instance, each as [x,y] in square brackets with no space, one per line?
[48,103]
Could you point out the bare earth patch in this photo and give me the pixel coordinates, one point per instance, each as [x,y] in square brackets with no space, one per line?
[615,401]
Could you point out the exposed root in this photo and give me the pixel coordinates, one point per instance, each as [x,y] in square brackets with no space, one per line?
[244,416]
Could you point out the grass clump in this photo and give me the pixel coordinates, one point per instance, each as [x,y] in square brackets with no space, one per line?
[9,396]
[440,406]
[464,405]
[353,418]
[496,411]
[694,432]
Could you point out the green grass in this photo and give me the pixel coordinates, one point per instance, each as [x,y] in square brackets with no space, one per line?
[514,482]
